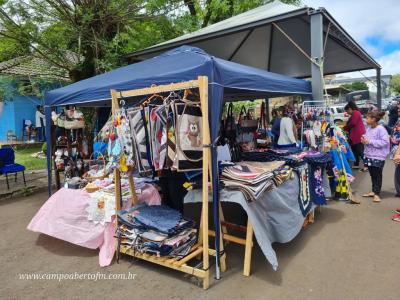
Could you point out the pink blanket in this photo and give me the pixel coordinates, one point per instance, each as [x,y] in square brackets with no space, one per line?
[64,216]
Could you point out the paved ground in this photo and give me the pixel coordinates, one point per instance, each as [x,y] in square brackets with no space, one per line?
[35,181]
[351,252]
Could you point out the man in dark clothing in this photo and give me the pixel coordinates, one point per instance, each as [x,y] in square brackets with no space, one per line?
[394,114]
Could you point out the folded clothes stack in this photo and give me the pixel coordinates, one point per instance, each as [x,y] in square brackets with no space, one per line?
[251,178]
[157,229]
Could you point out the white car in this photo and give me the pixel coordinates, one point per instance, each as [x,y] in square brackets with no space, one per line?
[339,115]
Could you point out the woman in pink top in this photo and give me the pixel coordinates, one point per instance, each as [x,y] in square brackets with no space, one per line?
[356,129]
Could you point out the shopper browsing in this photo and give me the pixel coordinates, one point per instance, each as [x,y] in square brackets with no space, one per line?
[376,149]
[355,127]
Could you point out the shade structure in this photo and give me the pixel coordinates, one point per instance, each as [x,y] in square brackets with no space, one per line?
[227,81]
[252,38]
[181,64]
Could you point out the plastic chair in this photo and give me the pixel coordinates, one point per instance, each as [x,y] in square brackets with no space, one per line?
[11,136]
[8,165]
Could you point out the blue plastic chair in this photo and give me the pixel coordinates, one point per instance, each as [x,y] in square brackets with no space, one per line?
[8,165]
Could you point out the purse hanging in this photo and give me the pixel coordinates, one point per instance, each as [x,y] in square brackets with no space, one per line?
[171,138]
[138,131]
[189,142]
[230,127]
[262,137]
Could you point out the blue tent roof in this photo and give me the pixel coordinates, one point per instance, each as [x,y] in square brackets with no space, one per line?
[180,64]
[226,79]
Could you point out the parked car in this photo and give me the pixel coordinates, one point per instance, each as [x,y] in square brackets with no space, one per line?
[339,114]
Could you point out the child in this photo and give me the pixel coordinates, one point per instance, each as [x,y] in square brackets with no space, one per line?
[395,140]
[376,149]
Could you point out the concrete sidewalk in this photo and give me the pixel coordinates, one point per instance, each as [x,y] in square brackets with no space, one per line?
[350,252]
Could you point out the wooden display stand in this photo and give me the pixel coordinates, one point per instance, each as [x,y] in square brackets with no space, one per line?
[202,247]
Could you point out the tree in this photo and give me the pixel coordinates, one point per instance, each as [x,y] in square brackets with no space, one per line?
[395,84]
[77,35]
[206,12]
[88,37]
[355,86]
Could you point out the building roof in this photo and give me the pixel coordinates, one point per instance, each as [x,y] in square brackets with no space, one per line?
[251,38]
[31,66]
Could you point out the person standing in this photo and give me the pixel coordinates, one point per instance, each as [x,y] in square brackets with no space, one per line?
[395,155]
[40,123]
[287,131]
[394,114]
[356,129]
[377,148]
[276,125]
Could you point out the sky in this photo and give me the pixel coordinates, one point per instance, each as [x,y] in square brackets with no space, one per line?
[374,24]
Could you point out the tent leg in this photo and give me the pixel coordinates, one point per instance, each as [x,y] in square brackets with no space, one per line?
[378,89]
[203,89]
[248,249]
[317,53]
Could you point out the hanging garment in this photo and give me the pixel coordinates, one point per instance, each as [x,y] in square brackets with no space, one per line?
[341,187]
[317,193]
[317,129]
[310,137]
[123,130]
[171,139]
[162,134]
[305,202]
[155,136]
[138,131]
[188,124]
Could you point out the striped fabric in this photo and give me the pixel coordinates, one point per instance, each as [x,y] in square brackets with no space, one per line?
[139,140]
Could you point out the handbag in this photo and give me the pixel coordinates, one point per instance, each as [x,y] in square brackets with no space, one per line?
[262,137]
[230,126]
[138,132]
[396,157]
[74,119]
[246,123]
[171,138]
[247,127]
[189,142]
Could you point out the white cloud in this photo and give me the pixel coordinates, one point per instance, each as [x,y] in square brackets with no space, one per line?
[390,65]
[368,19]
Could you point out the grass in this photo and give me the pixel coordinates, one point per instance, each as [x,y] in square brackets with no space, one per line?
[23,157]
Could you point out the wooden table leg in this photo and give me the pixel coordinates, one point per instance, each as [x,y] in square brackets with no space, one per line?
[248,249]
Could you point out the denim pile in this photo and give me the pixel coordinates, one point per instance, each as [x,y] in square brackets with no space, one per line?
[251,178]
[157,230]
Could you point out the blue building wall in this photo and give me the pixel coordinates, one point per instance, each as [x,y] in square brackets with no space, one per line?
[7,121]
[15,111]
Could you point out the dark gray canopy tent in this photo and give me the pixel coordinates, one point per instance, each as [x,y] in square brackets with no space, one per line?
[294,41]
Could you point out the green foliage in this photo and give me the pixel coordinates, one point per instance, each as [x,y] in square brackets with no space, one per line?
[90,37]
[12,85]
[395,84]
[44,148]
[24,157]
[355,86]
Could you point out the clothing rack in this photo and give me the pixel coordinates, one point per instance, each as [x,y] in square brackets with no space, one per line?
[202,246]
[311,107]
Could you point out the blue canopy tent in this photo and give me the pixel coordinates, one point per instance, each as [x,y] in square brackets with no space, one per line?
[228,81]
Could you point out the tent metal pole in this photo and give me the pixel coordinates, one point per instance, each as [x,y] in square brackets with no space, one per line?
[378,88]
[317,52]
[271,40]
[49,147]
